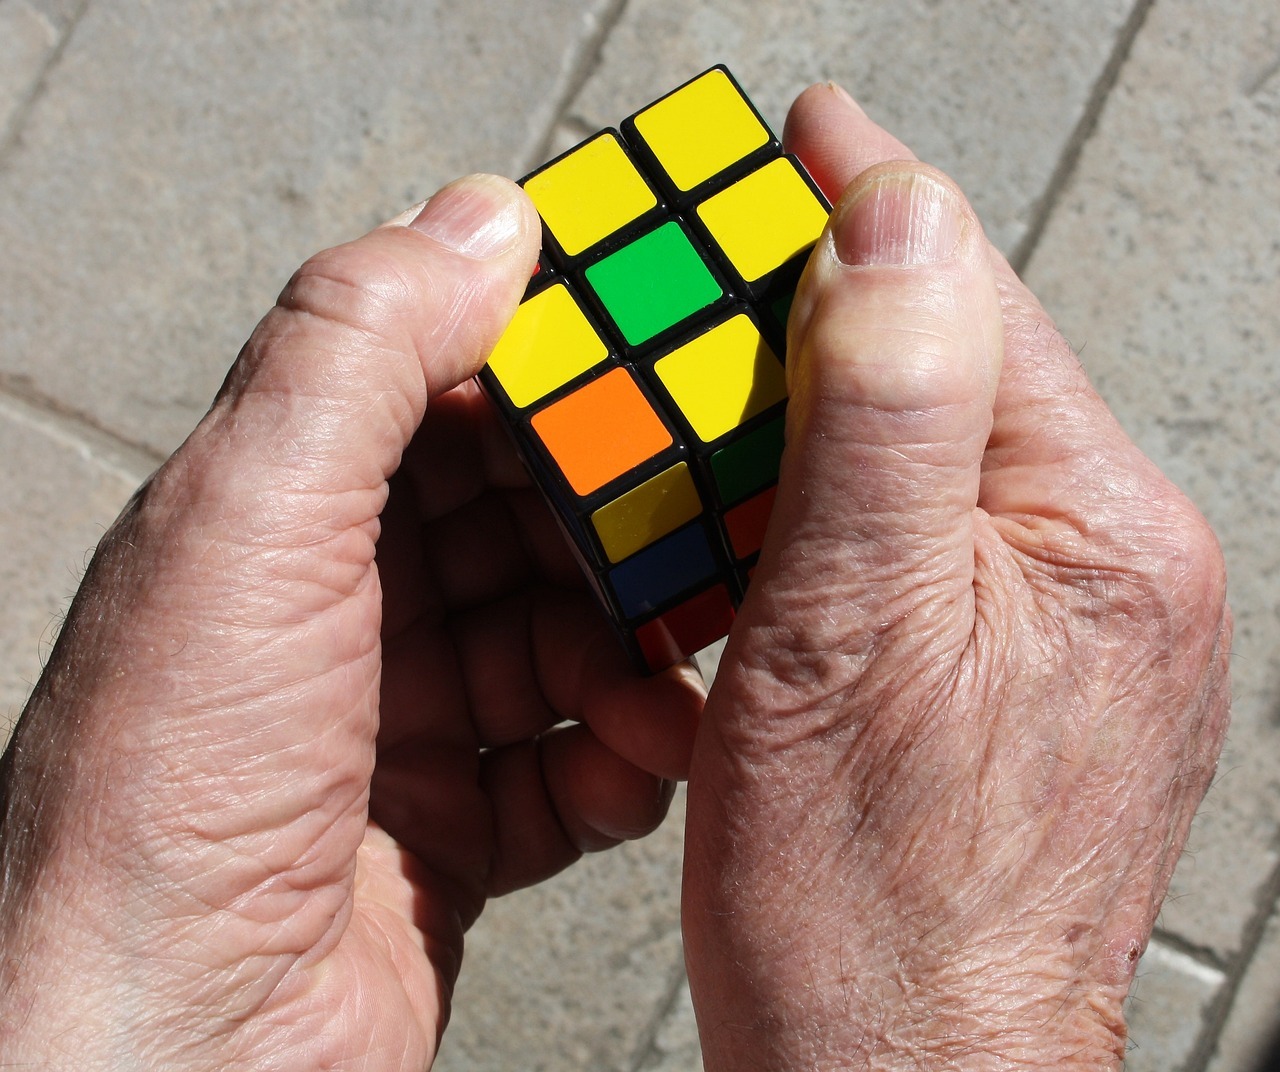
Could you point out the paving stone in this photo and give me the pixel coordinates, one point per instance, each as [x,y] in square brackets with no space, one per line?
[58,492]
[185,157]
[675,1046]
[1171,999]
[987,90]
[708,661]
[27,39]
[575,973]
[1250,1039]
[1167,1008]
[1160,263]
[30,32]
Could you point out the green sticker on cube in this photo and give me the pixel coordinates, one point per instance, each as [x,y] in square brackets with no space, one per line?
[653,283]
[750,463]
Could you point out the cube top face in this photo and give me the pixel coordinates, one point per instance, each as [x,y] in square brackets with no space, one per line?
[764,220]
[590,193]
[722,378]
[642,378]
[701,129]
[652,284]
[548,343]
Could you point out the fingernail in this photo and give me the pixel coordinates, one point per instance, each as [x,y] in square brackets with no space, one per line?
[902,218]
[403,219]
[476,216]
[846,97]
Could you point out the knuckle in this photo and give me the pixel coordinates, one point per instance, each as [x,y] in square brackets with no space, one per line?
[1184,563]
[1168,595]
[354,286]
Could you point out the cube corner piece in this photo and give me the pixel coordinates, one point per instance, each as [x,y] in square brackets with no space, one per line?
[642,376]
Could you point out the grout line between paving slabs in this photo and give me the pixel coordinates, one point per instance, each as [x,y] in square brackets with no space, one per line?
[79,431]
[1201,954]
[10,136]
[579,71]
[1080,136]
[647,1046]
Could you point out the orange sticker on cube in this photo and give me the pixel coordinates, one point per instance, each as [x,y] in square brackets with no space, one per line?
[602,430]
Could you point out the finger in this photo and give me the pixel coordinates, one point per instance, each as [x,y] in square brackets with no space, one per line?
[460,453]
[495,545]
[896,340]
[427,796]
[836,139]
[487,824]
[565,795]
[649,721]
[488,543]
[518,666]
[401,570]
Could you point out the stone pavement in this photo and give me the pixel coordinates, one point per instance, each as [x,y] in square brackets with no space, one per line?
[164,167]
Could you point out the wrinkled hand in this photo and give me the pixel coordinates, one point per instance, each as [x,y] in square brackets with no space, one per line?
[978,687]
[190,877]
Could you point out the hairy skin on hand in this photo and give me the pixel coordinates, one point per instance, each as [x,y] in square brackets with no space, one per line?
[979,685]
[274,769]
[301,721]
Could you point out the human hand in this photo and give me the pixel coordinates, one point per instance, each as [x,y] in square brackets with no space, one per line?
[190,877]
[978,687]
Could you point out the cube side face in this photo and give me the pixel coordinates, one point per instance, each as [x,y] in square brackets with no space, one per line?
[642,377]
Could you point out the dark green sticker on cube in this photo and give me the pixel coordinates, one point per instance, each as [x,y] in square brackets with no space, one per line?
[781,307]
[750,463]
[653,283]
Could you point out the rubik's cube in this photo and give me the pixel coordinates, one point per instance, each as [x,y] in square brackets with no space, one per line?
[642,376]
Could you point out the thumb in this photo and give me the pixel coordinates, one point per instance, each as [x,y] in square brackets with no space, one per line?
[228,628]
[895,351]
[265,520]
[340,371]
[195,761]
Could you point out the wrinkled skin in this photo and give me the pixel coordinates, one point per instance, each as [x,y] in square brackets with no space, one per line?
[298,726]
[193,880]
[979,685]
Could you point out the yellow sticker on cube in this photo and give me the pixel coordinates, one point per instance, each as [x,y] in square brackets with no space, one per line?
[548,343]
[646,513]
[589,194]
[765,219]
[723,378]
[701,129]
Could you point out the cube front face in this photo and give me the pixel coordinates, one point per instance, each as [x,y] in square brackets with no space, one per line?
[642,376]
